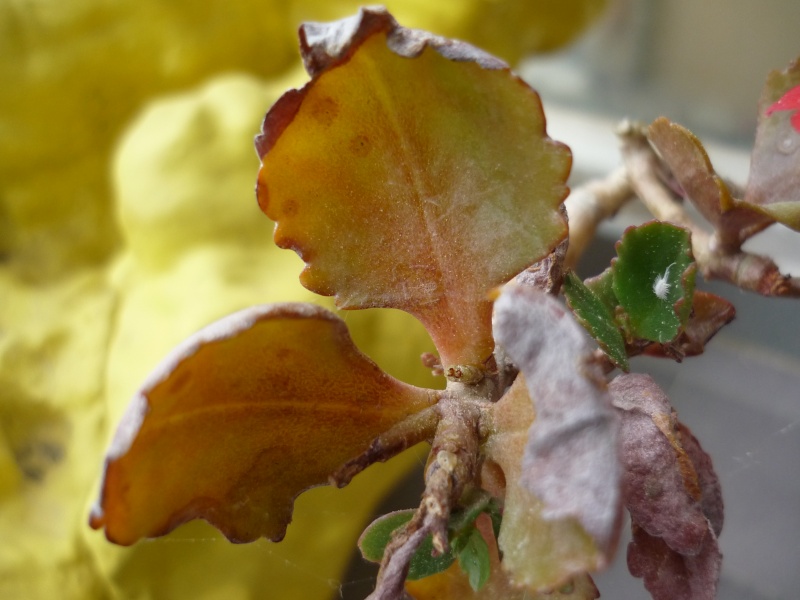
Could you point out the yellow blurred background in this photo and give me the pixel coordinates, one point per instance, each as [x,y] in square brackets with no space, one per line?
[128,221]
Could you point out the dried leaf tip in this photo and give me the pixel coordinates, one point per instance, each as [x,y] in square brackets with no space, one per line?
[323,45]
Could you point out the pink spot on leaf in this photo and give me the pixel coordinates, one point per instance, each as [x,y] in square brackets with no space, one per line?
[789,101]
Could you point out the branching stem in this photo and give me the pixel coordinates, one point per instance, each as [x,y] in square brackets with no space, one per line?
[642,175]
[453,467]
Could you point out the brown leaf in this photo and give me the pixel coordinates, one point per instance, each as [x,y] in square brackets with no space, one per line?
[570,460]
[691,167]
[240,419]
[411,172]
[669,575]
[710,489]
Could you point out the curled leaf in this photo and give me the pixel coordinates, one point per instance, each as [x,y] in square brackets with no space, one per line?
[671,492]
[662,491]
[570,459]
[669,574]
[240,419]
[690,165]
[538,554]
[411,172]
[774,183]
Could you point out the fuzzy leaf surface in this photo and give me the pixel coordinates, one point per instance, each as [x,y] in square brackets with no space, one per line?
[672,493]
[774,182]
[411,172]
[538,553]
[662,488]
[669,574]
[644,255]
[240,419]
[596,317]
[690,165]
[710,313]
[569,476]
[570,459]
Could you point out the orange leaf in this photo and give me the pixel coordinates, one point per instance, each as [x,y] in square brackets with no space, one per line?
[411,172]
[240,419]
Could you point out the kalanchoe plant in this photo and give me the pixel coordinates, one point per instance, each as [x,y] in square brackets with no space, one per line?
[414,172]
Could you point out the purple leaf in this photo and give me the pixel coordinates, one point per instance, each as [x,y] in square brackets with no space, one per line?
[660,484]
[570,460]
[669,575]
[672,493]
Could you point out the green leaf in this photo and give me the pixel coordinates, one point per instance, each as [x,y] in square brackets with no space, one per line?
[597,319]
[495,512]
[462,520]
[379,533]
[474,560]
[603,287]
[646,254]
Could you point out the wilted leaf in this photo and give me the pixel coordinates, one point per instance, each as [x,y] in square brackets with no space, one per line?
[240,419]
[669,575]
[661,486]
[648,254]
[774,182]
[597,319]
[562,502]
[570,460]
[411,172]
[538,554]
[710,488]
[691,167]
[672,493]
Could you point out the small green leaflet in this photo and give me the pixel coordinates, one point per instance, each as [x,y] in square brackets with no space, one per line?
[375,538]
[597,319]
[466,542]
[646,294]
[654,280]
[474,560]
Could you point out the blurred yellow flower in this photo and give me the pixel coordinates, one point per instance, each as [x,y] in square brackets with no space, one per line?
[127,221]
